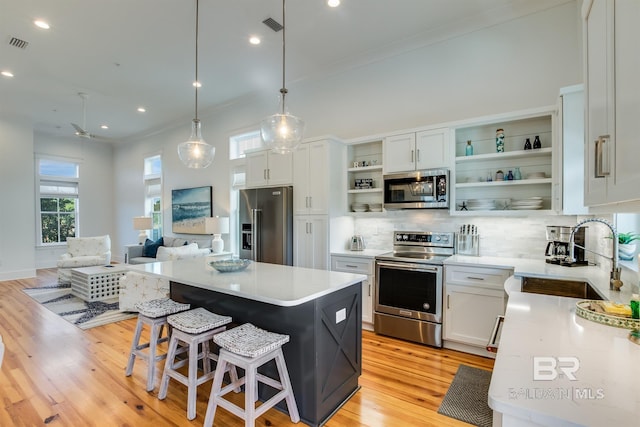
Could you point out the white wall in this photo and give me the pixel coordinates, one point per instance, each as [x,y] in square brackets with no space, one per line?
[17,231]
[96,189]
[517,65]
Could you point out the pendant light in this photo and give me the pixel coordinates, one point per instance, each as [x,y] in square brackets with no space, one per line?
[282,132]
[195,153]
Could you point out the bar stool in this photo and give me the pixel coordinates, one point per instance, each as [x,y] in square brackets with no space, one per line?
[249,347]
[154,314]
[190,329]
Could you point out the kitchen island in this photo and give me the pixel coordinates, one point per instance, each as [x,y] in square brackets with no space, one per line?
[320,310]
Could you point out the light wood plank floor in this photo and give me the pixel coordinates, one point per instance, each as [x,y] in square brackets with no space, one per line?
[56,374]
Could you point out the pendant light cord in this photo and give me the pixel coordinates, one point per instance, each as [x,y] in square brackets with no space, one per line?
[283,91]
[197,82]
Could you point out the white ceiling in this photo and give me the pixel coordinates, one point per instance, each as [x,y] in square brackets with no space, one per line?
[130,53]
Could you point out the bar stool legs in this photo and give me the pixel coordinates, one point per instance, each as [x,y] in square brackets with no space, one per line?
[239,340]
[157,326]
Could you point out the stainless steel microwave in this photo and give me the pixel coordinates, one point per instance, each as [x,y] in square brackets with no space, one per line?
[425,189]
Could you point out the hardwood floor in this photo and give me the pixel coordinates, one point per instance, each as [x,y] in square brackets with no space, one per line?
[56,374]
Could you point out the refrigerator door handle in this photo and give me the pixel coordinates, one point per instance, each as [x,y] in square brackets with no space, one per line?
[255,238]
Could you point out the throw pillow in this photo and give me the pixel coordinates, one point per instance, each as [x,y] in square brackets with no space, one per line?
[150,248]
[177,253]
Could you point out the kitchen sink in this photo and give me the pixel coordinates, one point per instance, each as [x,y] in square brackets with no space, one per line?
[560,287]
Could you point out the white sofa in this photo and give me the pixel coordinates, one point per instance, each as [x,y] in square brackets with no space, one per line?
[138,287]
[83,252]
[135,254]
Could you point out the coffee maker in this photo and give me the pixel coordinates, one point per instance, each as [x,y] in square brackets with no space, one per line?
[557,251]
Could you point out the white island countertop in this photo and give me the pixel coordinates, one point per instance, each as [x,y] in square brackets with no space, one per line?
[604,363]
[270,283]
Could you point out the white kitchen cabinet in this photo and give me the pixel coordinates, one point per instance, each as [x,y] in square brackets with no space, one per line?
[473,178]
[612,61]
[317,187]
[473,298]
[359,265]
[428,149]
[265,168]
[311,241]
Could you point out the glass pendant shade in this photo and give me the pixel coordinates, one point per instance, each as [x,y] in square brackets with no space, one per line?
[195,153]
[282,132]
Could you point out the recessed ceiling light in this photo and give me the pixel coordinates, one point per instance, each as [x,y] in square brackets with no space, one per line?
[7,73]
[141,110]
[197,84]
[254,40]
[41,24]
[333,3]
[104,127]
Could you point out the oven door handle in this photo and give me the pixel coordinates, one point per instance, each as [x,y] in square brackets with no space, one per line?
[492,345]
[412,267]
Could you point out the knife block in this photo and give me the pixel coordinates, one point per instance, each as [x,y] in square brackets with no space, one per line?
[468,244]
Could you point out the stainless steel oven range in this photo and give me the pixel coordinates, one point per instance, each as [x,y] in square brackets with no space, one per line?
[408,292]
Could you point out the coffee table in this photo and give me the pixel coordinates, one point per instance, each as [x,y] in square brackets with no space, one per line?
[97,283]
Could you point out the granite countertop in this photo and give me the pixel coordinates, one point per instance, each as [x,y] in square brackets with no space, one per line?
[281,285]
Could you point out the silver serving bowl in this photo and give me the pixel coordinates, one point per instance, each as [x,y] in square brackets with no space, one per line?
[230,265]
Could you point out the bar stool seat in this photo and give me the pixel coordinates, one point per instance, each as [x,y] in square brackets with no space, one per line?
[249,347]
[154,314]
[190,330]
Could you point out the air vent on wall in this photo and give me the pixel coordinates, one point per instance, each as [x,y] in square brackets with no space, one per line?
[273,24]
[16,42]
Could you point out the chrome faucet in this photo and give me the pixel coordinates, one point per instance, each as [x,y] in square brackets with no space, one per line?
[614,278]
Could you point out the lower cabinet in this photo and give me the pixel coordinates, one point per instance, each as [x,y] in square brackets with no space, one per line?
[311,241]
[359,265]
[473,298]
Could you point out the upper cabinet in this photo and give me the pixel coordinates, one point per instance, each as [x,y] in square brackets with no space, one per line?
[265,168]
[480,181]
[427,149]
[612,61]
[314,180]
[364,176]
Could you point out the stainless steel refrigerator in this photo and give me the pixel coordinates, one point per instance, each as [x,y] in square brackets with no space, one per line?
[266,225]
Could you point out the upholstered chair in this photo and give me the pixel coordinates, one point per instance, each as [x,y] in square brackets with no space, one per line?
[83,252]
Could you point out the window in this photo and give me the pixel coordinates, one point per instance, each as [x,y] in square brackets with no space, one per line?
[238,144]
[57,203]
[153,193]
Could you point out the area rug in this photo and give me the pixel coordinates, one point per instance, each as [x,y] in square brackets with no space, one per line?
[466,399]
[83,314]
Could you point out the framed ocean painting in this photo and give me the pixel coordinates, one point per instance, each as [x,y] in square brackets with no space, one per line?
[189,208]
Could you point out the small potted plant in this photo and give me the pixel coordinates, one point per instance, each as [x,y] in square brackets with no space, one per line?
[627,249]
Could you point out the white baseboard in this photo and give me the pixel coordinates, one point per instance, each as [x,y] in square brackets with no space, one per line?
[17,274]
[467,348]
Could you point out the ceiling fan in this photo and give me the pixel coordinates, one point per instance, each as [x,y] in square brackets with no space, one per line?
[82,132]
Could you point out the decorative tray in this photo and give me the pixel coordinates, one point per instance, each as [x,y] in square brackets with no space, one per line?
[593,310]
[230,265]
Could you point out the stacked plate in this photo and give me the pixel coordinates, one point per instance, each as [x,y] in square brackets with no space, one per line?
[531,203]
[359,207]
[481,204]
[375,207]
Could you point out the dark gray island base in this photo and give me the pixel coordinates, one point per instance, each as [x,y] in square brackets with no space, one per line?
[324,354]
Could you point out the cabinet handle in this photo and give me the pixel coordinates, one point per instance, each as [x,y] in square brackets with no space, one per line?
[351,266]
[268,173]
[264,174]
[448,301]
[411,156]
[310,202]
[475,278]
[369,289]
[602,157]
[310,228]
[417,155]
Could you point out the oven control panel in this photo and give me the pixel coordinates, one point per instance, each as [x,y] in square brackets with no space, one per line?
[423,238]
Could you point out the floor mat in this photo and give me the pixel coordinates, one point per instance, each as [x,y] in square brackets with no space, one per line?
[466,399]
